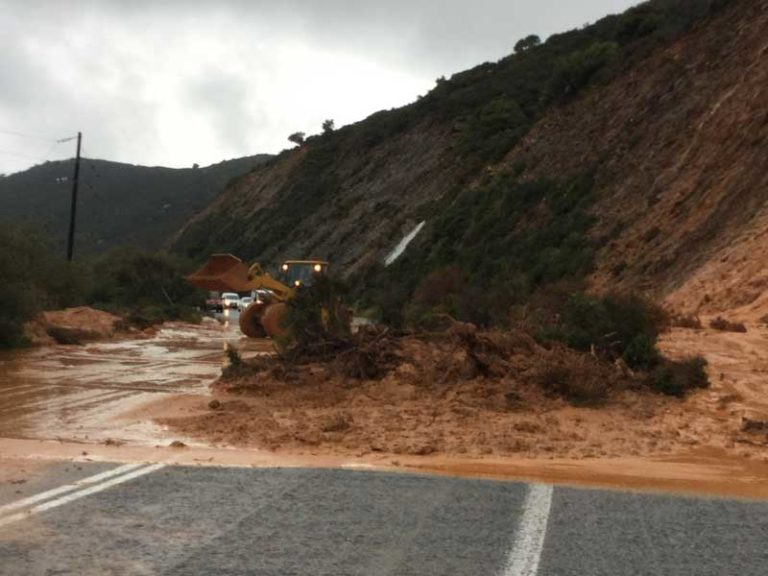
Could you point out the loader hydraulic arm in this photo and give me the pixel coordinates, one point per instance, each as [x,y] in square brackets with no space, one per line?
[260,280]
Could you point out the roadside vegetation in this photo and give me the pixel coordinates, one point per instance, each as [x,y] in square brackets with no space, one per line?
[143,287]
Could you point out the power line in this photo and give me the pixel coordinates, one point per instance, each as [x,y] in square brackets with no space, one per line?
[46,156]
[9,153]
[30,136]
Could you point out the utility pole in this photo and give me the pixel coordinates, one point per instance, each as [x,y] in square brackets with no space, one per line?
[73,209]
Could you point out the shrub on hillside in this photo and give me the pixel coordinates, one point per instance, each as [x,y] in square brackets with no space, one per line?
[447,294]
[493,130]
[576,70]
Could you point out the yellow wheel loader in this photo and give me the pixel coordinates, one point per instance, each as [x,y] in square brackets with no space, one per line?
[225,272]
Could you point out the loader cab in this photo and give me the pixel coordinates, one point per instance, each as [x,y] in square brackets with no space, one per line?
[297,273]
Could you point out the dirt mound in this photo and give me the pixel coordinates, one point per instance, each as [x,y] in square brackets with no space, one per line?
[464,393]
[72,326]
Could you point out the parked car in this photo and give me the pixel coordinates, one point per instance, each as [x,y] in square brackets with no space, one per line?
[213,302]
[245,301]
[230,300]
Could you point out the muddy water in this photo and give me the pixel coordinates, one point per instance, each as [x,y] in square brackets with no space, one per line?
[80,393]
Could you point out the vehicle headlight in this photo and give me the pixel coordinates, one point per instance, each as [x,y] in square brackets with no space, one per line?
[297,283]
[285,267]
[318,268]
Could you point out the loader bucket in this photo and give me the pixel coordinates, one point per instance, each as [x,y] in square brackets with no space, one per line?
[222,273]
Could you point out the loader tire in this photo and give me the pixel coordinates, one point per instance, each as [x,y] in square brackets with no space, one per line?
[250,321]
[272,320]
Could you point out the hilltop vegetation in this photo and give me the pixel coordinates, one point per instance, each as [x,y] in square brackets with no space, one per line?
[118,203]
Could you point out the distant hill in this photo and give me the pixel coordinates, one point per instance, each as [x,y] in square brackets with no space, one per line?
[118,203]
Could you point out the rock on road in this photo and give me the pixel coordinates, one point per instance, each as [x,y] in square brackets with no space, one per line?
[174,520]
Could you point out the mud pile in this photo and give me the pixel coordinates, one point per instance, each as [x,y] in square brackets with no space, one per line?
[72,326]
[462,393]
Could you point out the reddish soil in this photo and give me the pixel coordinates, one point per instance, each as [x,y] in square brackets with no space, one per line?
[72,325]
[435,402]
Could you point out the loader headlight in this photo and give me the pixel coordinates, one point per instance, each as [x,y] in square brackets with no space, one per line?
[285,267]
[297,283]
[318,268]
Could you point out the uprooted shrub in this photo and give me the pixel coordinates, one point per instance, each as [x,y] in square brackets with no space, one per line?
[677,377]
[685,321]
[724,325]
[317,327]
[316,321]
[579,378]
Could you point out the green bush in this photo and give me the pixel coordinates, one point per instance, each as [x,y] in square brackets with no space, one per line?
[147,286]
[641,353]
[577,70]
[613,326]
[33,279]
[493,130]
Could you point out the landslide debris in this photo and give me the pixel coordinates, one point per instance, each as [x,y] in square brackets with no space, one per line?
[461,392]
[72,326]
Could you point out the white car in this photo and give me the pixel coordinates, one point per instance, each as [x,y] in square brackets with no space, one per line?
[230,300]
[245,301]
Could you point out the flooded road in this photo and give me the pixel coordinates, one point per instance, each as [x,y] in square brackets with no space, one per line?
[82,393]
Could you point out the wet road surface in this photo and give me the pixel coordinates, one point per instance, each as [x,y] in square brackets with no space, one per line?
[77,392]
[184,521]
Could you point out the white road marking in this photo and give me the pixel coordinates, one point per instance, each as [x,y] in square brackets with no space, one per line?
[80,494]
[23,503]
[523,559]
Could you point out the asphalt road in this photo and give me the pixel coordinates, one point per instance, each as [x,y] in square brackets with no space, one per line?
[143,519]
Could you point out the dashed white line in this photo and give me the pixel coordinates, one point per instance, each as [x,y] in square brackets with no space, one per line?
[133,471]
[523,559]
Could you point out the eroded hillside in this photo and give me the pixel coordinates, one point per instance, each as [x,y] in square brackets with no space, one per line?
[680,150]
[632,151]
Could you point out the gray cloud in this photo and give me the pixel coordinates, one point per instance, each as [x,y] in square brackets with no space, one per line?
[223,97]
[185,81]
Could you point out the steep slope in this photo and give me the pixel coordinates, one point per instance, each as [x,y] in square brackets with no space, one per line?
[117,203]
[352,194]
[326,201]
[631,152]
[679,151]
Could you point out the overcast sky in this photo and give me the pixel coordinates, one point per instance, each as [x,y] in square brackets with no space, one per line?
[172,82]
